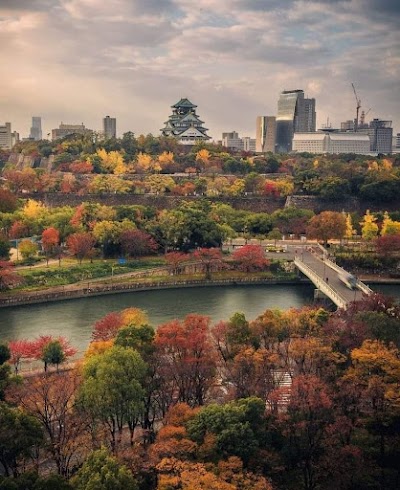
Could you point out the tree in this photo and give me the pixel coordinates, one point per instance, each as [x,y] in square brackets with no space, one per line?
[19,229]
[238,428]
[136,243]
[389,227]
[81,245]
[369,228]
[50,241]
[174,261]
[250,258]
[350,232]
[101,471]
[5,355]
[50,399]
[107,234]
[107,327]
[388,244]
[28,249]
[5,247]
[81,167]
[19,181]
[111,162]
[8,202]
[20,350]
[211,258]
[305,428]
[33,209]
[137,337]
[291,220]
[112,391]
[19,435]
[8,278]
[275,235]
[51,350]
[187,357]
[326,226]
[53,353]
[203,158]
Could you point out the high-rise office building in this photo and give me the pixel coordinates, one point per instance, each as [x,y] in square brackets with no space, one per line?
[234,142]
[380,134]
[310,115]
[110,127]
[347,125]
[295,114]
[8,138]
[67,129]
[36,129]
[265,134]
[331,141]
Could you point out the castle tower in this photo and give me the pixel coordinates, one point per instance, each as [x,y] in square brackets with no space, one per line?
[184,124]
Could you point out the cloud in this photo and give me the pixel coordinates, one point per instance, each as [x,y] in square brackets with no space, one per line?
[76,60]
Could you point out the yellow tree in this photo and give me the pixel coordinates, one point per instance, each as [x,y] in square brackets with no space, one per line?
[112,162]
[369,228]
[97,347]
[157,184]
[389,227]
[33,209]
[349,227]
[203,157]
[237,188]
[143,162]
[134,317]
[165,159]
[285,186]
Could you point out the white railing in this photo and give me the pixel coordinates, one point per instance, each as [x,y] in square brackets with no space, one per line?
[321,284]
[360,285]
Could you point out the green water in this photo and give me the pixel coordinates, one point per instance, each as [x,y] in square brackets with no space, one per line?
[74,319]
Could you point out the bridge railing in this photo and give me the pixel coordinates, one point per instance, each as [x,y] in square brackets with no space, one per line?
[321,284]
[360,285]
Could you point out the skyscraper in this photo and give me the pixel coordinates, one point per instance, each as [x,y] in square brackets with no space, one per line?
[310,115]
[295,114]
[265,134]
[36,129]
[110,127]
[380,134]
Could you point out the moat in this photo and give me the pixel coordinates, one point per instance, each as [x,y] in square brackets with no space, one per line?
[74,319]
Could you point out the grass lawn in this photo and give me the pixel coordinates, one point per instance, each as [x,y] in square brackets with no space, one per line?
[72,272]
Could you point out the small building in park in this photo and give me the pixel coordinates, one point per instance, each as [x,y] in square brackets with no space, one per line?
[184,124]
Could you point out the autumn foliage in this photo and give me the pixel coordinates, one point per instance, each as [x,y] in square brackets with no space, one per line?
[301,398]
[250,258]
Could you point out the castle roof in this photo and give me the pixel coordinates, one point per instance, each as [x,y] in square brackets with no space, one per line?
[183,103]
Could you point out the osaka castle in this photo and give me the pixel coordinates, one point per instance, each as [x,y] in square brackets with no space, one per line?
[184,124]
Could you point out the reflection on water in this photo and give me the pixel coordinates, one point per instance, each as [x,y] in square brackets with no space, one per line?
[74,318]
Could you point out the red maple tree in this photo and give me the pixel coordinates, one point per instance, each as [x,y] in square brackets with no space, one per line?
[250,258]
[81,245]
[187,357]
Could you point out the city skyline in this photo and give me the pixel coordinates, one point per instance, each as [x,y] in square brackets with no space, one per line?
[231,60]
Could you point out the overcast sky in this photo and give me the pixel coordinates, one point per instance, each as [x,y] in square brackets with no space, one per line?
[79,60]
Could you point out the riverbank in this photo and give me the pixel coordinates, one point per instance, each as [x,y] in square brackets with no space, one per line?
[57,294]
[146,283]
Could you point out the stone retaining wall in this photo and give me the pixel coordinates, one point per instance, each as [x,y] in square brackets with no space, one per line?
[256,203]
[44,297]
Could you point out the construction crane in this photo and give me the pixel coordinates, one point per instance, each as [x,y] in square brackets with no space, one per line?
[363,116]
[358,108]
